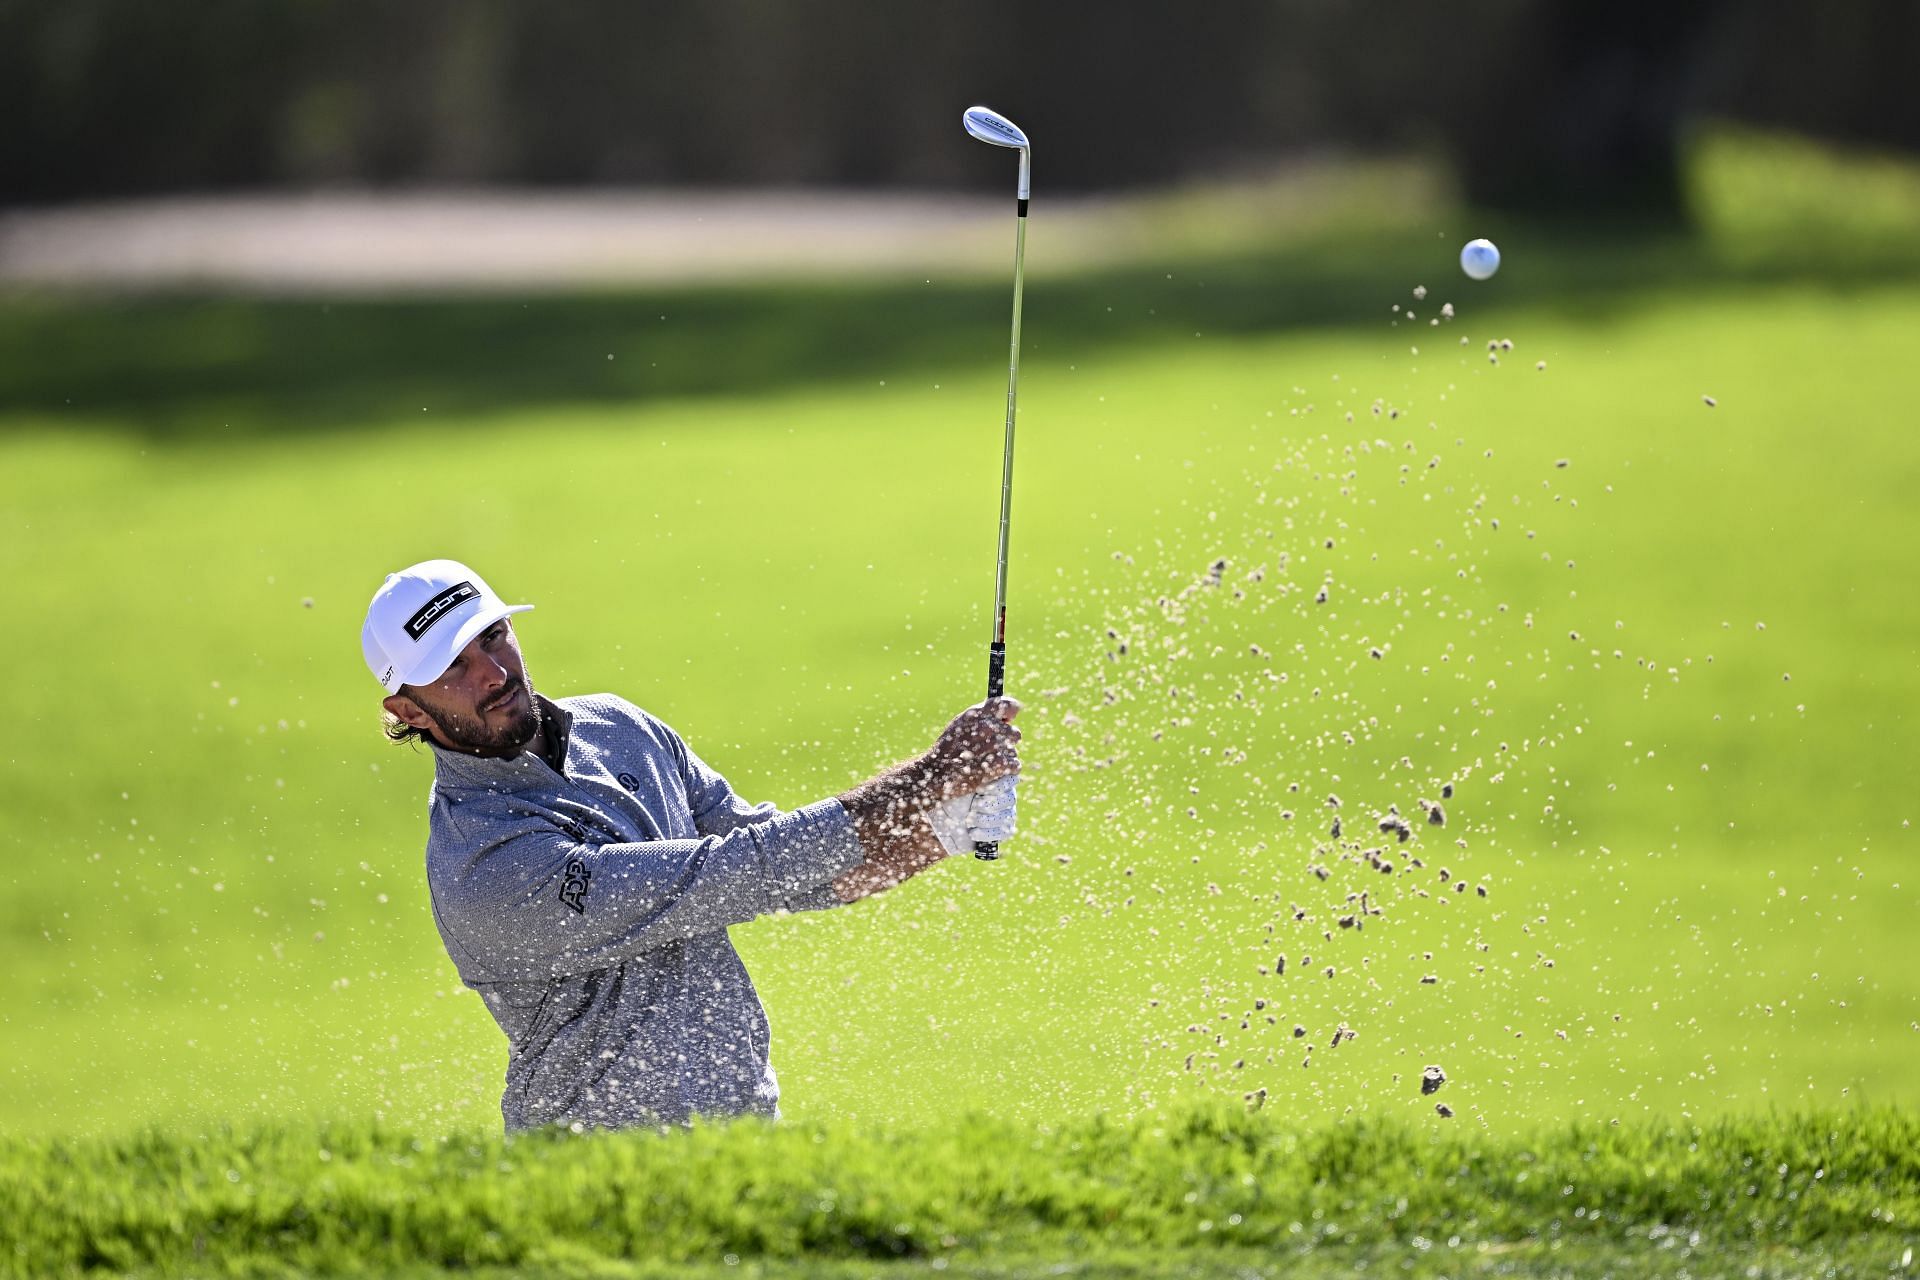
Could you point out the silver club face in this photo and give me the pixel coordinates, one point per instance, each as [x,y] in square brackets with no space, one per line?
[990,127]
[994,129]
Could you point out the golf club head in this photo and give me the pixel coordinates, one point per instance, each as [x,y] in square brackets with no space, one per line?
[994,129]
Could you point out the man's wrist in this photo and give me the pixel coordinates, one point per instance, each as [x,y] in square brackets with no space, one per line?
[898,797]
[892,815]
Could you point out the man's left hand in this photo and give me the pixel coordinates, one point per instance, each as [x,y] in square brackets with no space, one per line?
[992,816]
[986,814]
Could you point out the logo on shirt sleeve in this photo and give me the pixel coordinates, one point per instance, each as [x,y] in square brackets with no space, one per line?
[573,885]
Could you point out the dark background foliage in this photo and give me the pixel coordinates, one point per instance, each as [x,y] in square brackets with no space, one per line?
[1562,106]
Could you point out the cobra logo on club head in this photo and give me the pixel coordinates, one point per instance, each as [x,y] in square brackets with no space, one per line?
[990,126]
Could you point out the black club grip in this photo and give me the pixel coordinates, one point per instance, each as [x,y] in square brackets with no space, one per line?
[989,850]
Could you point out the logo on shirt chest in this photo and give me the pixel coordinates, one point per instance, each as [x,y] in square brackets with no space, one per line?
[628,781]
[573,884]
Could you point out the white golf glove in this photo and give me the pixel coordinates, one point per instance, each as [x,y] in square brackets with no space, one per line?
[986,814]
[993,811]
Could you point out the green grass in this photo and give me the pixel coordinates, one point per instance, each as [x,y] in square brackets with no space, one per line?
[1759,195]
[1314,248]
[215,906]
[1202,1190]
[227,369]
[1671,681]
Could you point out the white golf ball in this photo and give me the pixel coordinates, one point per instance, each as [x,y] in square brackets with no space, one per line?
[1480,259]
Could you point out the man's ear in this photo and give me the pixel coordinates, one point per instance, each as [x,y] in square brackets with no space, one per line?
[407,711]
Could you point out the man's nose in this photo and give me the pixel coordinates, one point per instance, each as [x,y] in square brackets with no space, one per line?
[490,672]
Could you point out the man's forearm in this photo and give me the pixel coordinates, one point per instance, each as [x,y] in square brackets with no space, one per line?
[890,814]
[893,813]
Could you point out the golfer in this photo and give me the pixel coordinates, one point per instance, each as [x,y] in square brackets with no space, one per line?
[584,864]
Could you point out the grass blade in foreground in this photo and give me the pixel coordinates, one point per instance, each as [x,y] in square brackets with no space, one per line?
[1212,1190]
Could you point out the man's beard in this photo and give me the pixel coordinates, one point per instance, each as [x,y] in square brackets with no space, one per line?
[477,737]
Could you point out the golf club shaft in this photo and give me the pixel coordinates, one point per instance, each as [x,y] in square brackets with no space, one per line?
[997,651]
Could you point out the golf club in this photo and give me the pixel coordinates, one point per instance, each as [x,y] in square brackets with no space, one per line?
[991,127]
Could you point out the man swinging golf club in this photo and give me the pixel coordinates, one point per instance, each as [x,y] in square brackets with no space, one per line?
[584,864]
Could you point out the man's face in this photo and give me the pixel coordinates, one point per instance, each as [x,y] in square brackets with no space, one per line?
[482,704]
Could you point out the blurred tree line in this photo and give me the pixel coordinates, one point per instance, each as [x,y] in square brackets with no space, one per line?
[1568,106]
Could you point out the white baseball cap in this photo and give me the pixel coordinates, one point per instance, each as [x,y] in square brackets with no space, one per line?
[422,617]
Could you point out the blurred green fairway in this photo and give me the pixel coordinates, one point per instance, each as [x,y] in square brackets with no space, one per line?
[1663,651]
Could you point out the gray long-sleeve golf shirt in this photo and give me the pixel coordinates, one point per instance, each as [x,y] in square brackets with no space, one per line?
[590,907]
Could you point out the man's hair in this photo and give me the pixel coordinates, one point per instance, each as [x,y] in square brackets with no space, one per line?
[398,731]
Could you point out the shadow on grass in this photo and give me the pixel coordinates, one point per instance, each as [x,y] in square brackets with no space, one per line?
[189,367]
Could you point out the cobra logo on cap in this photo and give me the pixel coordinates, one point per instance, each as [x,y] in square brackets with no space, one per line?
[438,607]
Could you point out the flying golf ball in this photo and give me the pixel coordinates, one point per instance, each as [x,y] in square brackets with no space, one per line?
[1480,259]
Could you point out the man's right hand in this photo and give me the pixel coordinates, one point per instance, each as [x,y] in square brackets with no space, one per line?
[979,747]
[894,813]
